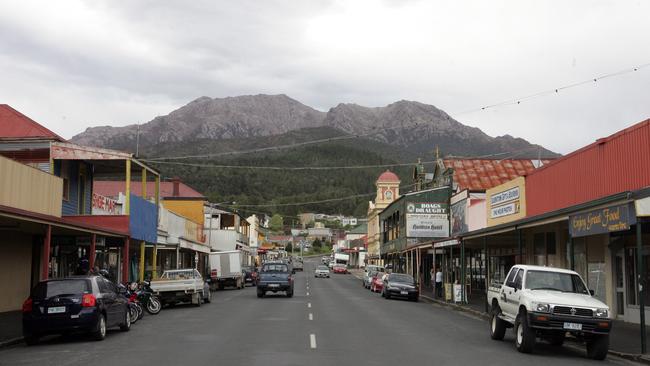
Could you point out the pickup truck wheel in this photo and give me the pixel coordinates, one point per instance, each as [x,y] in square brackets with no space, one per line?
[497,325]
[289,293]
[197,297]
[524,336]
[208,298]
[260,293]
[597,347]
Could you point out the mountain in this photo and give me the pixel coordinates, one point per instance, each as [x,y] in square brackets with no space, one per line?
[355,135]
[207,118]
[421,127]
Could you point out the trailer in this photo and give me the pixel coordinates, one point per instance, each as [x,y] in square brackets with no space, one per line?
[226,270]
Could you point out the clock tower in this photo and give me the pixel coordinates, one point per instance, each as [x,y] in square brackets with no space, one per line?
[387,189]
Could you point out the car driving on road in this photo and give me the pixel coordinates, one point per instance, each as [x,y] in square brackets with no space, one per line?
[275,277]
[322,271]
[377,282]
[400,285]
[85,304]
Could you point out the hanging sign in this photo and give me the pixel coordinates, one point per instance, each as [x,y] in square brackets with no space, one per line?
[601,221]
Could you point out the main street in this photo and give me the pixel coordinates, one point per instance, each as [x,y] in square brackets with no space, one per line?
[331,321]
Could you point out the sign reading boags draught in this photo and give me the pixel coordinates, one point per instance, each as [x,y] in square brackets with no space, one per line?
[604,220]
[427,220]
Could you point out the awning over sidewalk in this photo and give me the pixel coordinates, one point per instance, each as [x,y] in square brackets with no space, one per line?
[186,244]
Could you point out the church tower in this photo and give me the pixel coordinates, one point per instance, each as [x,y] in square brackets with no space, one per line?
[387,189]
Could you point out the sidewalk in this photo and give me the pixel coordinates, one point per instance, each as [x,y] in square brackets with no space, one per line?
[11,328]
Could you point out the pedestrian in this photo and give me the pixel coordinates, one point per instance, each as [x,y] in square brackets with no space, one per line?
[439,283]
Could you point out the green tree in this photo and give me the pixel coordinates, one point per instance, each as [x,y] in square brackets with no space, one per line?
[317,244]
[289,247]
[277,222]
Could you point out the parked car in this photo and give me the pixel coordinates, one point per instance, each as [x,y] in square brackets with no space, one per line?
[545,302]
[250,275]
[181,285]
[377,282]
[89,304]
[400,285]
[340,269]
[226,269]
[322,271]
[368,272]
[275,276]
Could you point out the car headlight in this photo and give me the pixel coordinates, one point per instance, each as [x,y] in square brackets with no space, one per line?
[541,307]
[602,313]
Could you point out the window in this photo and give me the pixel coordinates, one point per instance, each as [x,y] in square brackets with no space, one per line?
[65,175]
[81,200]
[511,276]
[544,249]
[519,279]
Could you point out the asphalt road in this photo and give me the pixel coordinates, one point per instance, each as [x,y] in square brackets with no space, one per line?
[328,322]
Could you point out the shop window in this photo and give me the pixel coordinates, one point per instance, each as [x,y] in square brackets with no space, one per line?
[545,249]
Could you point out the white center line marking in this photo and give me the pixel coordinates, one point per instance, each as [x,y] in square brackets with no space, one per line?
[312,340]
[307,293]
[308,304]
[311,316]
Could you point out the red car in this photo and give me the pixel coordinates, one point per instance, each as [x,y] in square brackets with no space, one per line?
[340,268]
[377,282]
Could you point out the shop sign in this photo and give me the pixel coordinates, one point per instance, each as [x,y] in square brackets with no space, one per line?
[104,205]
[642,207]
[426,208]
[446,243]
[427,225]
[505,210]
[459,217]
[601,221]
[500,198]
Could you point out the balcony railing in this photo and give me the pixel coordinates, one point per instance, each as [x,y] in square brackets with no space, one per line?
[29,189]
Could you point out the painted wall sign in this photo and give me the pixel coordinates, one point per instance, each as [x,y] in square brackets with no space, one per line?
[104,205]
[511,194]
[459,217]
[427,225]
[505,210]
[604,220]
[426,208]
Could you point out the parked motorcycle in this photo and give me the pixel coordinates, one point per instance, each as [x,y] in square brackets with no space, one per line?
[134,313]
[149,301]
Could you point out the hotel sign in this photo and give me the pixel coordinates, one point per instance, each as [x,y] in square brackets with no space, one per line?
[601,221]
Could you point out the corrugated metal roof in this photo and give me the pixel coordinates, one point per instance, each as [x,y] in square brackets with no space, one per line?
[113,188]
[14,125]
[618,163]
[482,174]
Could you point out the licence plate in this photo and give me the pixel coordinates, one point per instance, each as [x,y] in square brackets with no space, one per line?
[274,285]
[56,310]
[404,292]
[573,326]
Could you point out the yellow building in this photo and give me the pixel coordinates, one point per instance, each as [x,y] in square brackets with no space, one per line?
[387,191]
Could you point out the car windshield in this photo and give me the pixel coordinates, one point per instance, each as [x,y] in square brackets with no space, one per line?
[555,281]
[275,268]
[403,278]
[61,287]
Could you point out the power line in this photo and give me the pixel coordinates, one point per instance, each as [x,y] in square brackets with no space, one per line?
[512,101]
[320,201]
[197,165]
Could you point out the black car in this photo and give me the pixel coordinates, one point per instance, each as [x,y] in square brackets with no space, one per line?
[250,275]
[86,304]
[400,285]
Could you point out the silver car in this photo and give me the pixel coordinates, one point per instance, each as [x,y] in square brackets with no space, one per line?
[322,271]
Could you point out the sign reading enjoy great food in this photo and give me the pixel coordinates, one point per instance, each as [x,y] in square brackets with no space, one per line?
[604,220]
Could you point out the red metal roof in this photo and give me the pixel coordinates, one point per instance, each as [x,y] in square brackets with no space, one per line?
[618,163]
[388,176]
[14,124]
[482,174]
[113,188]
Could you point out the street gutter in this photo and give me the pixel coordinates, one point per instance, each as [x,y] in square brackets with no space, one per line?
[11,342]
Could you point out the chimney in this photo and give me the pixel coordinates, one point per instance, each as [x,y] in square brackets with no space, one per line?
[176,181]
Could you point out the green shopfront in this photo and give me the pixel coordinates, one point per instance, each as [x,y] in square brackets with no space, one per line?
[414,219]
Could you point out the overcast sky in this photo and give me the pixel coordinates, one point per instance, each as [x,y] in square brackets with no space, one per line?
[74,64]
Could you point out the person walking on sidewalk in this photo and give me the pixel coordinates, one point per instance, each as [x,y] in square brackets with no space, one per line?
[439,284]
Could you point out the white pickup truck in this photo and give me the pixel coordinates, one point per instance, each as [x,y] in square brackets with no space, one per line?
[546,303]
[181,285]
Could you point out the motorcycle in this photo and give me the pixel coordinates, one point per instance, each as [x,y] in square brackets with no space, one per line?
[134,313]
[149,301]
